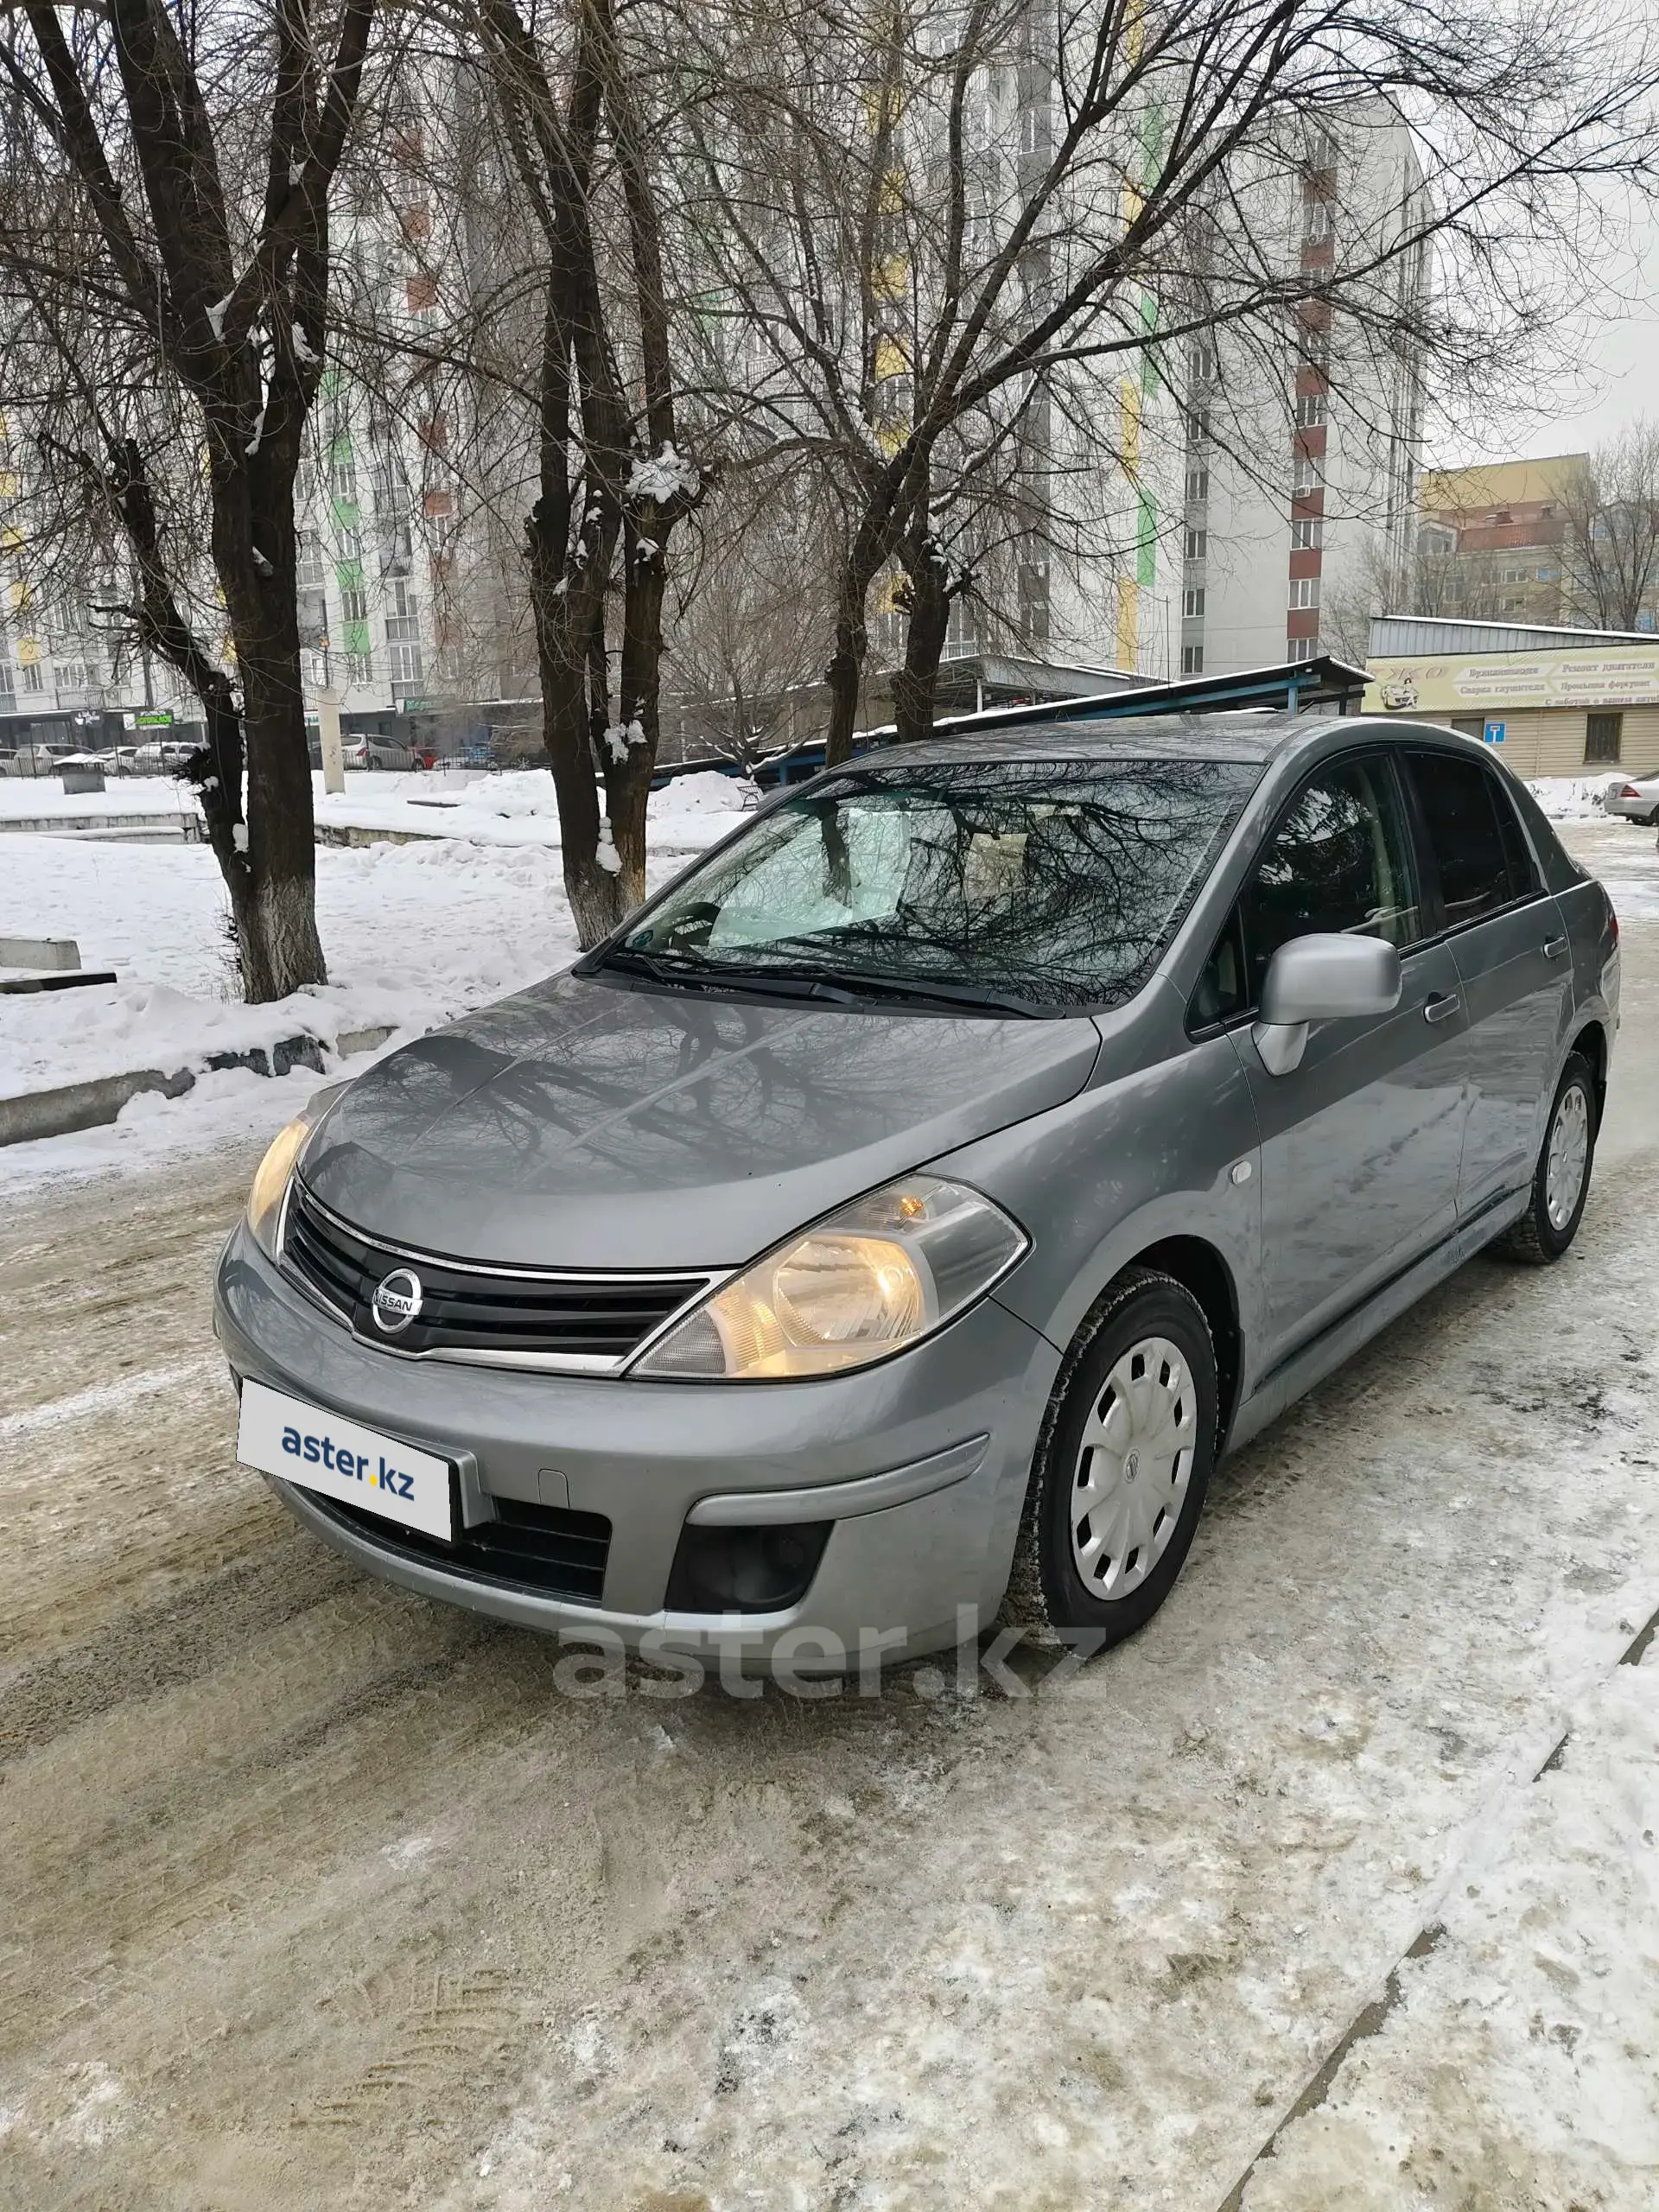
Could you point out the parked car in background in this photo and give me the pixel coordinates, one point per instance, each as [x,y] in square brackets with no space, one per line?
[163,756]
[378,752]
[1637,797]
[31,760]
[925,1188]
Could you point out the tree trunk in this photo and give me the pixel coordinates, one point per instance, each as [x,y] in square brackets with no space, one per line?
[274,899]
[845,674]
[631,761]
[272,882]
[930,622]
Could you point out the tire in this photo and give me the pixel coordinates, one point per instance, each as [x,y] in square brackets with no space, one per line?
[1542,1236]
[1138,1539]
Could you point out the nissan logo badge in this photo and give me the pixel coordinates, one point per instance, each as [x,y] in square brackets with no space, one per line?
[396,1300]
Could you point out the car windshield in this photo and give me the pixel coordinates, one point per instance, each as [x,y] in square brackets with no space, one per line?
[1041,886]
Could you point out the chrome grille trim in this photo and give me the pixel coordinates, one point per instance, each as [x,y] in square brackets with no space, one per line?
[695,1282]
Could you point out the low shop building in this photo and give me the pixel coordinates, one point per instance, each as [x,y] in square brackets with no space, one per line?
[1560,702]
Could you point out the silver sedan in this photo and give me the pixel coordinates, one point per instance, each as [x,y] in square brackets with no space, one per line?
[911,1200]
[1637,797]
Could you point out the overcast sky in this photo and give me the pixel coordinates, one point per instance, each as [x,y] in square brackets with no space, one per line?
[1619,378]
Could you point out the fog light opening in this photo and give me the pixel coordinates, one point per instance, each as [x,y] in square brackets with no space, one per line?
[764,1570]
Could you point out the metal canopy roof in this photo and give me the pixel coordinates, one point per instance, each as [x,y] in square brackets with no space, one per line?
[1295,686]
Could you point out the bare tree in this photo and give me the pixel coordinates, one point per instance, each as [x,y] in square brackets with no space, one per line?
[751,631]
[1612,512]
[174,259]
[913,264]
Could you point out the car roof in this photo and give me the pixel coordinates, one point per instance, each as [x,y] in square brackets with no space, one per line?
[1250,736]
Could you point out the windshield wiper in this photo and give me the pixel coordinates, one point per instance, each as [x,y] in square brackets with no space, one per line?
[718,974]
[923,990]
[845,988]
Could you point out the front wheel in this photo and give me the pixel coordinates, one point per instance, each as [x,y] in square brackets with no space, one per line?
[1122,1464]
[1560,1182]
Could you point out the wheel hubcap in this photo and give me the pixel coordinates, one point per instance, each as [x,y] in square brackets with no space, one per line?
[1568,1156]
[1134,1465]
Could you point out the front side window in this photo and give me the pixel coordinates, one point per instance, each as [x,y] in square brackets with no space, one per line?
[1477,843]
[1053,884]
[1339,861]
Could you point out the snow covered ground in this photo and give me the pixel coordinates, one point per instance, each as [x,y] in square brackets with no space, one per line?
[517,807]
[514,807]
[35,799]
[414,933]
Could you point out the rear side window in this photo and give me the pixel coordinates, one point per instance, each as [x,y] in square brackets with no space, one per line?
[1474,835]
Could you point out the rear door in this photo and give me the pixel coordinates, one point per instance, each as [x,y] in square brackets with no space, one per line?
[1510,941]
[1360,1143]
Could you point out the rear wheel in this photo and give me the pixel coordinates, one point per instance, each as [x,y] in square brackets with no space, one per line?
[1122,1464]
[1561,1183]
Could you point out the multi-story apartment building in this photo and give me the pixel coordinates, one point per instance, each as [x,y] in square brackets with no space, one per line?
[1299,473]
[1493,544]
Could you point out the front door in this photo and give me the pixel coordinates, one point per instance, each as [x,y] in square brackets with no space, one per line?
[1510,945]
[1360,1143]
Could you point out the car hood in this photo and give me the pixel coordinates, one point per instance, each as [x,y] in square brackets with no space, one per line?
[584,1123]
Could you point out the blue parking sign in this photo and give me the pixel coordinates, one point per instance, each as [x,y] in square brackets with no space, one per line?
[1493,733]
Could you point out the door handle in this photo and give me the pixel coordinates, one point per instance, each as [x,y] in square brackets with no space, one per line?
[1440,1005]
[1554,947]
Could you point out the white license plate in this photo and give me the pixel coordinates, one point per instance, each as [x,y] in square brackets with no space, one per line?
[284,1436]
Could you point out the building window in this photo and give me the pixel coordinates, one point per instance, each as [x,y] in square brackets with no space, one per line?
[1192,660]
[6,687]
[1312,408]
[1192,601]
[420,292]
[356,668]
[354,606]
[1196,542]
[1301,648]
[310,561]
[1304,591]
[1197,426]
[1197,482]
[1307,476]
[396,548]
[406,667]
[1319,219]
[1201,362]
[1602,736]
[32,675]
[1307,534]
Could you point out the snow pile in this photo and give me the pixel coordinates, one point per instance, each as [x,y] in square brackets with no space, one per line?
[414,934]
[1572,799]
[518,807]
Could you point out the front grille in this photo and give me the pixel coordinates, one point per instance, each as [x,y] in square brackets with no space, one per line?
[497,1315]
[541,1547]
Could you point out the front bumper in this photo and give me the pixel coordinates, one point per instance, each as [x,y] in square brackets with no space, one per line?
[919,1463]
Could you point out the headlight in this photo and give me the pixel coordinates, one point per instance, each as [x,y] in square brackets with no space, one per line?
[272,1176]
[880,1274]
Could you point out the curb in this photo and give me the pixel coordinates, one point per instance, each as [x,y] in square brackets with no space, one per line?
[94,1105]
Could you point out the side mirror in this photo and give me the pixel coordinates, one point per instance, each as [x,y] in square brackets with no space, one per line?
[1321,979]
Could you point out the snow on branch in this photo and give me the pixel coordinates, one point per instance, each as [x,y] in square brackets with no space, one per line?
[663,476]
